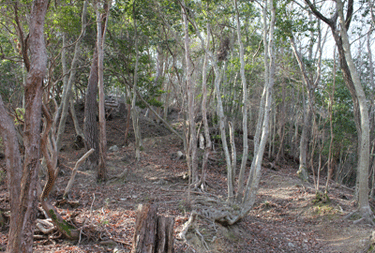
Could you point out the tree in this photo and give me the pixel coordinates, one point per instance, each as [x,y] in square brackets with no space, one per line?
[23,179]
[364,151]
[192,134]
[69,77]
[92,137]
[227,214]
[90,127]
[310,83]
[353,83]
[102,19]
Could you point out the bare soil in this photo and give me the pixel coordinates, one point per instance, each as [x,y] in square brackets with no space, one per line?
[284,218]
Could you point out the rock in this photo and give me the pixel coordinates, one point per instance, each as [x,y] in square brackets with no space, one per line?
[290,244]
[113,148]
[180,155]
[160,182]
[177,156]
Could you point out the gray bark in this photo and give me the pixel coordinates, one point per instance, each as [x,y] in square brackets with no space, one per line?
[192,136]
[102,19]
[241,176]
[207,137]
[364,150]
[270,67]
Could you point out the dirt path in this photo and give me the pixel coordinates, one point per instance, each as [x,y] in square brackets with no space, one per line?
[284,218]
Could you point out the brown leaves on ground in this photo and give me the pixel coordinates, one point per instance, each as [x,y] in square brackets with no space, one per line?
[284,218]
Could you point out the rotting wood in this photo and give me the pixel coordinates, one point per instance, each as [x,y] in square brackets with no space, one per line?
[153,233]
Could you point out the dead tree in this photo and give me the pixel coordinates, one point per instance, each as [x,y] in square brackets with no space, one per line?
[153,233]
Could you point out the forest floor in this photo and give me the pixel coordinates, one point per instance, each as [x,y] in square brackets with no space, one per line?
[284,218]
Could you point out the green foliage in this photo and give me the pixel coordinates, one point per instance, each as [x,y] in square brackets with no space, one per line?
[67,19]
[20,113]
[344,129]
[321,198]
[10,79]
[291,22]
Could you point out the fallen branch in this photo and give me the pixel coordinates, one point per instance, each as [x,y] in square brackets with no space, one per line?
[45,226]
[65,228]
[78,163]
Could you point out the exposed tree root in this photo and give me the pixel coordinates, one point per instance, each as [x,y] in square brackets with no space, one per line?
[45,226]
[366,216]
[217,210]
[186,226]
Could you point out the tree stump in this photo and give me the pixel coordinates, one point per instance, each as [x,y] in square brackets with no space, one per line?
[153,233]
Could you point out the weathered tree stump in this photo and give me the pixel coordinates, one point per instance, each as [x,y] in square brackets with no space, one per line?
[153,233]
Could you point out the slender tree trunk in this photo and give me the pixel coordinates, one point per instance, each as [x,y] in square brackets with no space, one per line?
[78,129]
[128,113]
[102,19]
[134,111]
[254,177]
[192,154]
[306,132]
[372,107]
[308,112]
[346,72]
[220,112]
[208,146]
[241,177]
[364,150]
[67,92]
[281,130]
[330,109]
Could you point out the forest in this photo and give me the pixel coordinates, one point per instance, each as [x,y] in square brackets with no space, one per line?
[187,126]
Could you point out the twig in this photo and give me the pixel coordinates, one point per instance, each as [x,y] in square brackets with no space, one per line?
[92,205]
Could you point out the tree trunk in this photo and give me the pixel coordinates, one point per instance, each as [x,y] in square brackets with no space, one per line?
[153,233]
[192,147]
[254,176]
[14,174]
[23,189]
[102,19]
[304,144]
[90,121]
[308,113]
[67,93]
[241,177]
[134,110]
[75,119]
[364,151]
[220,112]
[346,71]
[330,111]
[208,146]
